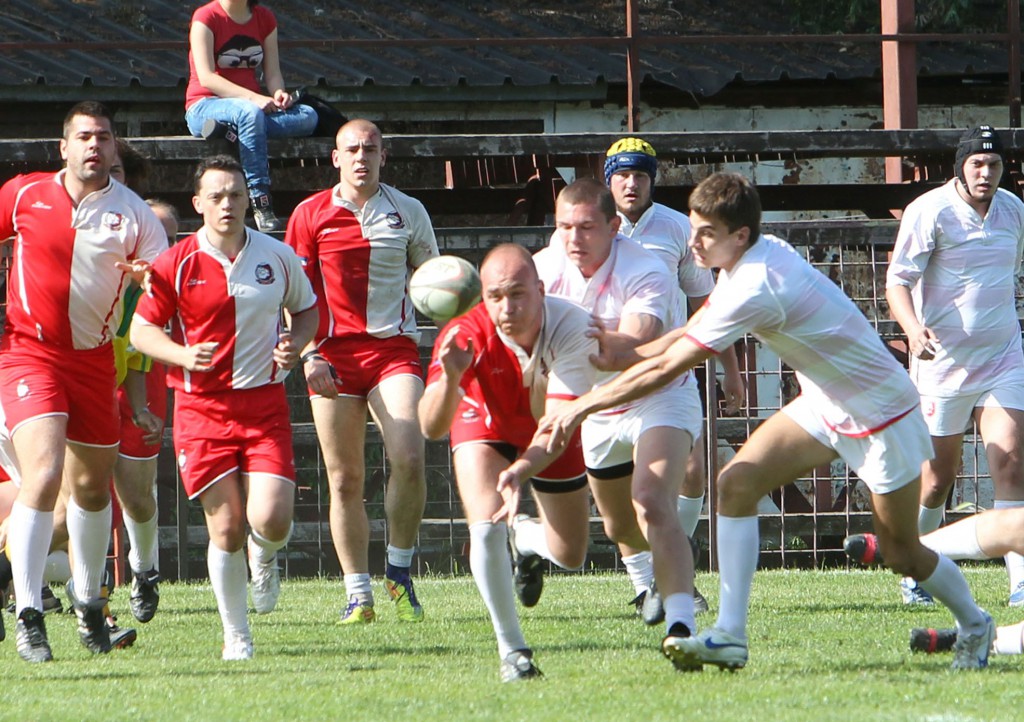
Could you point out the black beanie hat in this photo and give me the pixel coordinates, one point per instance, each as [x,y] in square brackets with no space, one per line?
[982,139]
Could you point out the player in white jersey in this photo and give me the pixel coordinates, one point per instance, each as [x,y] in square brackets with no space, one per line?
[951,286]
[224,290]
[634,452]
[630,171]
[359,242]
[77,237]
[855,403]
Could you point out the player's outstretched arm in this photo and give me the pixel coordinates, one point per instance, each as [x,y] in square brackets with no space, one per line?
[441,398]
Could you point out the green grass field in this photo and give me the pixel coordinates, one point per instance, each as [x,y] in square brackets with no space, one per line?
[823,645]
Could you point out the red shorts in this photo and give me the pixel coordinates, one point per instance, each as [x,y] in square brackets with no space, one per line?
[132,445]
[37,380]
[363,361]
[471,426]
[246,430]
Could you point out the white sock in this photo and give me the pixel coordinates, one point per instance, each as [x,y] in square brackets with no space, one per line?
[929,519]
[532,538]
[89,539]
[947,584]
[739,545]
[358,585]
[1014,561]
[28,540]
[492,572]
[58,568]
[142,536]
[688,508]
[956,541]
[264,550]
[679,608]
[398,557]
[640,568]
[1009,640]
[228,577]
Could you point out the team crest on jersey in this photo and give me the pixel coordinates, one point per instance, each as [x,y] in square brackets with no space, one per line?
[113,221]
[394,219]
[22,389]
[264,274]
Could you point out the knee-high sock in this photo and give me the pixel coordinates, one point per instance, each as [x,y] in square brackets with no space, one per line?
[89,538]
[688,508]
[29,532]
[738,549]
[929,519]
[492,572]
[640,568]
[956,541]
[265,550]
[531,538]
[228,578]
[1014,561]
[947,584]
[142,536]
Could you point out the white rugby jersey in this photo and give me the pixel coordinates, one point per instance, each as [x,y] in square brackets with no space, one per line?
[208,297]
[359,260]
[962,271]
[666,233]
[631,281]
[839,359]
[65,289]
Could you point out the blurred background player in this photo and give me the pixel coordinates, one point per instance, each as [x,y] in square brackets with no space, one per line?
[57,379]
[635,453]
[359,242]
[495,371]
[230,354]
[951,286]
[229,41]
[855,403]
[630,171]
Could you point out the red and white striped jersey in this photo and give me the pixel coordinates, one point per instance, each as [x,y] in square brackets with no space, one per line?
[208,297]
[359,260]
[65,288]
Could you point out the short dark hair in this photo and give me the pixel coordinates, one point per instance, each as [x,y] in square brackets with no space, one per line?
[136,166]
[89,108]
[730,198]
[215,162]
[589,190]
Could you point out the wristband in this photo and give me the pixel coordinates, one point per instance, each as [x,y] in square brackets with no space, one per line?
[315,353]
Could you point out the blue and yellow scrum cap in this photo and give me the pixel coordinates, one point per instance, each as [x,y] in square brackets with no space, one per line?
[630,154]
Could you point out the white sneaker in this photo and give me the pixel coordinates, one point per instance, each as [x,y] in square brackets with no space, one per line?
[712,646]
[266,582]
[237,647]
[971,650]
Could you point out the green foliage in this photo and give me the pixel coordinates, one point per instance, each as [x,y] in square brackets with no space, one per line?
[864,16]
[823,644]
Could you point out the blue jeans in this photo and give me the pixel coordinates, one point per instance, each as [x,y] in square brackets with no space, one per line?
[253,127]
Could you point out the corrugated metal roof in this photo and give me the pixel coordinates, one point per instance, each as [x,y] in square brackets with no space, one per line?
[52,34]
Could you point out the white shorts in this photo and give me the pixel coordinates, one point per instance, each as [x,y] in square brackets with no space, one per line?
[609,437]
[950,415]
[886,460]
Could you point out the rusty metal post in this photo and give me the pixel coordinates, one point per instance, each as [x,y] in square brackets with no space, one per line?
[632,66]
[899,76]
[1013,50]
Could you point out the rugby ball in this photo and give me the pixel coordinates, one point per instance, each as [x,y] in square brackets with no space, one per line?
[444,287]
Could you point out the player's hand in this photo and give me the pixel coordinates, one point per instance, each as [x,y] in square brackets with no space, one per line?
[454,359]
[616,351]
[200,357]
[924,344]
[321,378]
[283,99]
[735,392]
[152,426]
[286,353]
[510,487]
[560,425]
[139,271]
